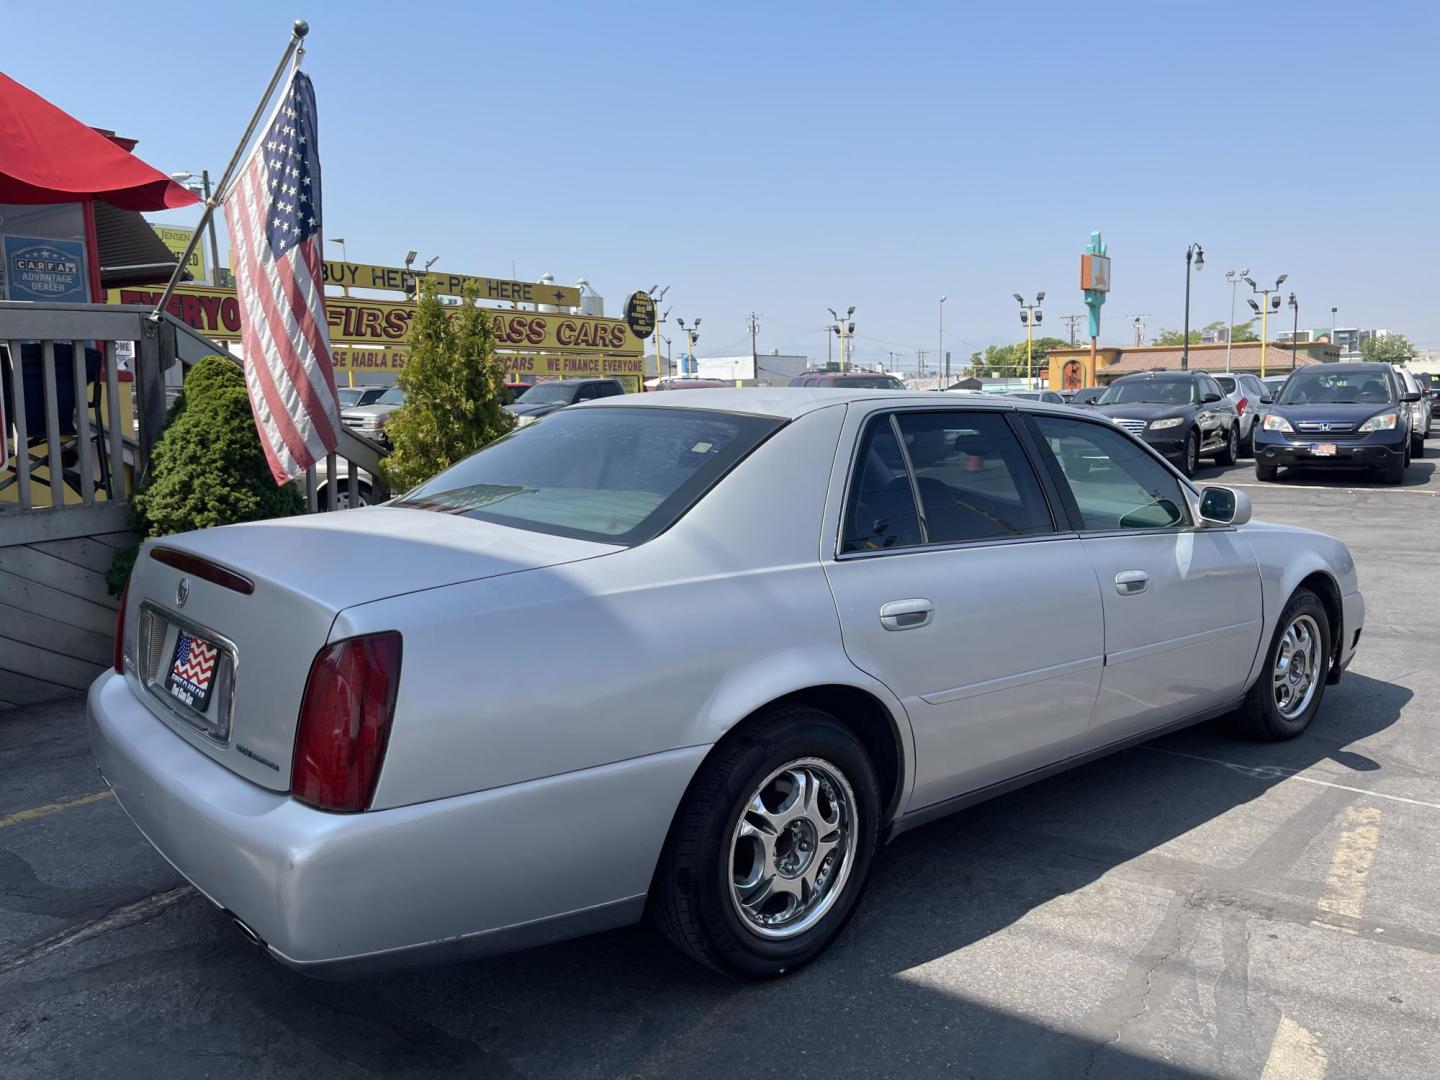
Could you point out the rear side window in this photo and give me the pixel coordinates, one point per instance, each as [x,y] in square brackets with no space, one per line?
[1115,483]
[880,513]
[974,480]
[614,474]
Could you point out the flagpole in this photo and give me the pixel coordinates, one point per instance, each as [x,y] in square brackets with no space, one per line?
[297,38]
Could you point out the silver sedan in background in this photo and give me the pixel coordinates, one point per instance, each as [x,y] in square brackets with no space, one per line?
[765,632]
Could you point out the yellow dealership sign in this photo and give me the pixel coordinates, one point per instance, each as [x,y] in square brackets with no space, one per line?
[371,334]
[177,240]
[492,290]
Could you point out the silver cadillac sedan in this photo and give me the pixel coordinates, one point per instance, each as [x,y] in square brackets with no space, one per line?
[692,655]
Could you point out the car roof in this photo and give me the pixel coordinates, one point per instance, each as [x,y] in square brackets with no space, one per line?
[1351,368]
[790,402]
[1137,375]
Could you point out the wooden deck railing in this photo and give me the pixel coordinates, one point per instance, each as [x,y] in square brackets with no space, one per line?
[81,431]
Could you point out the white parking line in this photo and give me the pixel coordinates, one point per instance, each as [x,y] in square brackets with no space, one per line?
[1279,772]
[1295,1054]
[1427,492]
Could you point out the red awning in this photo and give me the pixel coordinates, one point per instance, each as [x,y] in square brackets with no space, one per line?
[47,156]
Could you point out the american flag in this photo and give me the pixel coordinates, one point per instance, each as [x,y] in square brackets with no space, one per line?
[273,212]
[194,661]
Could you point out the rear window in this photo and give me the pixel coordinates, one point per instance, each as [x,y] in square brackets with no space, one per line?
[869,382]
[618,475]
[1227,383]
[1154,391]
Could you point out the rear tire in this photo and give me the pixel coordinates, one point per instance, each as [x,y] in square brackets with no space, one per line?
[740,827]
[1287,694]
[1231,453]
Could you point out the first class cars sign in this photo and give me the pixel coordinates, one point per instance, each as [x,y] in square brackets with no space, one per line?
[356,321]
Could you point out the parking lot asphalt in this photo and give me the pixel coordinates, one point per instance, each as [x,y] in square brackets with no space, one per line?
[1200,906]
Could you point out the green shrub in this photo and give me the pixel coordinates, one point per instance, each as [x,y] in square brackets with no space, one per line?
[208,467]
[452,383]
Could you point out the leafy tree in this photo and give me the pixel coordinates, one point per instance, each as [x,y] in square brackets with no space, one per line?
[452,383]
[208,467]
[1008,361]
[1390,349]
[1242,332]
[1175,337]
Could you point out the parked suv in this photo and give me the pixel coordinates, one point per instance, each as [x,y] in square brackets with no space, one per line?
[1338,416]
[369,420]
[1419,411]
[1182,414]
[544,398]
[849,380]
[1247,393]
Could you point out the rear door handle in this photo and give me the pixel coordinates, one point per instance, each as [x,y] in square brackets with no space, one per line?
[906,614]
[1131,582]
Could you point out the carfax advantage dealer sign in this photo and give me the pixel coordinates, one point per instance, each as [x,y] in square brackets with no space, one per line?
[44,270]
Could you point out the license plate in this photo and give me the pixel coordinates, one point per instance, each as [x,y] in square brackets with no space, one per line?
[192,671]
[1322,449]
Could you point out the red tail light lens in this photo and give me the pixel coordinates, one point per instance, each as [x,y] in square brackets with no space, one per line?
[1240,406]
[345,722]
[120,632]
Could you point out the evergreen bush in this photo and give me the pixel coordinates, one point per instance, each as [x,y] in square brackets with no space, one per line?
[453,385]
[208,467]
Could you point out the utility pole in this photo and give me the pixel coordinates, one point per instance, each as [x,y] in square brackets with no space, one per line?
[1138,322]
[657,297]
[940,356]
[1070,321]
[920,355]
[753,321]
[1234,277]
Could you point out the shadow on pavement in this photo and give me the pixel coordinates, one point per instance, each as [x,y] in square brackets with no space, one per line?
[624,1004]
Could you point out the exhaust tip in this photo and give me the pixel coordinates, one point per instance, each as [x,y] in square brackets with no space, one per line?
[250,935]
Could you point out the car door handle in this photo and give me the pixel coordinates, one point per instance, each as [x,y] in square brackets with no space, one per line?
[906,614]
[1131,582]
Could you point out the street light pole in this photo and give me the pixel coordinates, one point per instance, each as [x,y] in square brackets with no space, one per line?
[1030,314]
[1197,253]
[1234,277]
[844,328]
[1264,312]
[1295,328]
[940,356]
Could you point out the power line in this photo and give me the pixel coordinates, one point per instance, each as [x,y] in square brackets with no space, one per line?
[1070,321]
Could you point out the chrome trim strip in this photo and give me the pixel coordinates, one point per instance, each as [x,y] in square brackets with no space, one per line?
[1010,682]
[1141,652]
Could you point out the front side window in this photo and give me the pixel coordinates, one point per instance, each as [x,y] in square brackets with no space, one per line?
[974,479]
[1115,482]
[613,474]
[393,396]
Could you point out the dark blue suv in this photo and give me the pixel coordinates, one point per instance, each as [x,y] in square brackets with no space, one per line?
[1337,416]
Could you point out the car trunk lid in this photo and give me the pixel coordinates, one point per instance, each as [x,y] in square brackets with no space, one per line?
[226,622]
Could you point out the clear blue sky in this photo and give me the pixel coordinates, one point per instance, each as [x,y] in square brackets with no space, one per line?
[786,157]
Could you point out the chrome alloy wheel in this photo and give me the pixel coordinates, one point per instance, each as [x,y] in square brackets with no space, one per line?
[1296,671]
[793,848]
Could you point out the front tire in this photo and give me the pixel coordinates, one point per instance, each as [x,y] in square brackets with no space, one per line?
[1287,694]
[771,849]
[1190,456]
[1395,474]
[1265,472]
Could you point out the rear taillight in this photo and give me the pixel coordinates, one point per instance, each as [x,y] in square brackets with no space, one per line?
[1240,406]
[120,632]
[345,722]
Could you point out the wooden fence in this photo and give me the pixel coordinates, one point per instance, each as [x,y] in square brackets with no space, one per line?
[79,433]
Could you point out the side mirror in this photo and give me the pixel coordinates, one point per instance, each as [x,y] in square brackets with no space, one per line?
[1410,396]
[1207,398]
[1267,401]
[1223,506]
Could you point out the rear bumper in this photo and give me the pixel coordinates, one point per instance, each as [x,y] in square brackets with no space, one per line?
[344,894]
[1357,455]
